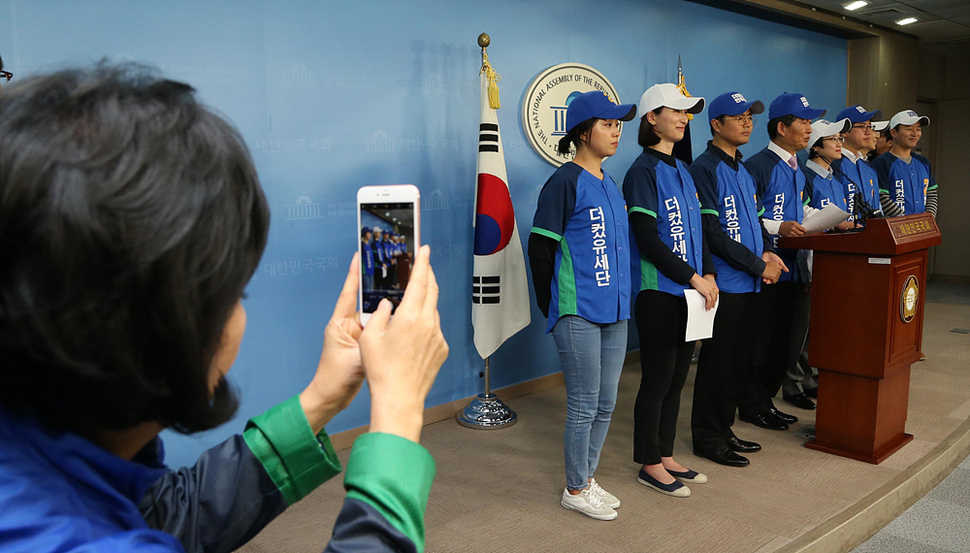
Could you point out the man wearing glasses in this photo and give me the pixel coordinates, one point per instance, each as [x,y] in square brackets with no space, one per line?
[853,166]
[782,307]
[743,255]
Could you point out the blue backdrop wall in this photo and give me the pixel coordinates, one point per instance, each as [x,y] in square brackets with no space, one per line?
[332,95]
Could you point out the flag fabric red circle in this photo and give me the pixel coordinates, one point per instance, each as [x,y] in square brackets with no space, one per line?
[494,217]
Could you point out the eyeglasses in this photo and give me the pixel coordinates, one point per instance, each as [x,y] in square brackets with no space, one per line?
[838,138]
[6,74]
[867,127]
[743,119]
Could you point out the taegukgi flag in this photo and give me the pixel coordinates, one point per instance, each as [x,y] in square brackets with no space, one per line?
[500,290]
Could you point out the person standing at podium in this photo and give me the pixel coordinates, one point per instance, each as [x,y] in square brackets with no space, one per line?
[743,255]
[781,187]
[822,186]
[853,167]
[906,183]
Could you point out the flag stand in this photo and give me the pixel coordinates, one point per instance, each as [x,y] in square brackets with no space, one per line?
[486,411]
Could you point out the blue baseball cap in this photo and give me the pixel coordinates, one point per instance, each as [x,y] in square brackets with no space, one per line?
[596,104]
[732,103]
[364,230]
[858,114]
[793,103]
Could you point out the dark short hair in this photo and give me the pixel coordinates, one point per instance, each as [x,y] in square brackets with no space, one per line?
[647,136]
[131,220]
[720,119]
[573,136]
[787,120]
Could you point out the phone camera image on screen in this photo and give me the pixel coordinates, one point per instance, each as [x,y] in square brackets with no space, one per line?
[387,252]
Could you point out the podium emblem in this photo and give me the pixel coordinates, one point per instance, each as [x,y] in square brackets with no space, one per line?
[908,299]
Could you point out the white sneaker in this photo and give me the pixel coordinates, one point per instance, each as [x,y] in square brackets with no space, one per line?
[589,504]
[604,495]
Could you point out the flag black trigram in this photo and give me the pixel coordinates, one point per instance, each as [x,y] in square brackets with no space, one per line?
[488,137]
[485,289]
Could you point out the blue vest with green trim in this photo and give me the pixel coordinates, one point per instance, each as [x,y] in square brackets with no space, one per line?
[667,194]
[906,183]
[863,177]
[733,198]
[591,278]
[782,192]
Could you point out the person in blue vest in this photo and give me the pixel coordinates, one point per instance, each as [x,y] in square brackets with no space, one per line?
[906,183]
[853,167]
[781,187]
[822,186]
[578,251]
[381,262]
[367,260]
[122,314]
[669,256]
[743,256]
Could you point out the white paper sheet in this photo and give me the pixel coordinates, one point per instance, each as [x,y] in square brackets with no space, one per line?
[824,219]
[700,321]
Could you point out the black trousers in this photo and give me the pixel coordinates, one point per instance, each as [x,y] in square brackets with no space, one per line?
[664,362]
[776,345]
[722,370]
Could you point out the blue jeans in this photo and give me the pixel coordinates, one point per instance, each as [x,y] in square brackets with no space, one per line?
[592,357]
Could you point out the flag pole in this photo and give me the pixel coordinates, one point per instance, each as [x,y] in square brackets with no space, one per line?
[487,411]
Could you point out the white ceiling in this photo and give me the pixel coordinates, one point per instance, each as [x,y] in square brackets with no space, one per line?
[941,22]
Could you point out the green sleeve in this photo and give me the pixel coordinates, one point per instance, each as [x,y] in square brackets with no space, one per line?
[295,459]
[393,475]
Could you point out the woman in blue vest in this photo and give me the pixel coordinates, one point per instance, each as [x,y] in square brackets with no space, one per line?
[822,185]
[580,269]
[669,257]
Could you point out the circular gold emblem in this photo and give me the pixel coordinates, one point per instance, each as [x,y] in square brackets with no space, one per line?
[908,299]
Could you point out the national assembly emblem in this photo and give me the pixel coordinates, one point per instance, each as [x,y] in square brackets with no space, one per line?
[909,299]
[546,100]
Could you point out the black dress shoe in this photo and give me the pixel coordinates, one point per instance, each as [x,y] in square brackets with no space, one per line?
[783,417]
[765,420]
[801,401]
[724,457]
[812,393]
[742,446]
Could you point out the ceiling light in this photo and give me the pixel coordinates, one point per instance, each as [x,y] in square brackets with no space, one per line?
[853,6]
[907,21]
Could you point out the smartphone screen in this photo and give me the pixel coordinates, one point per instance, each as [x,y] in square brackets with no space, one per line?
[387,251]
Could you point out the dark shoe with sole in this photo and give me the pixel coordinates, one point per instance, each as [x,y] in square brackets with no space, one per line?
[783,417]
[724,457]
[801,401]
[765,420]
[742,446]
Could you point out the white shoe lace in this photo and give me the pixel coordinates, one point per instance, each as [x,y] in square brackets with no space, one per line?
[593,499]
[596,488]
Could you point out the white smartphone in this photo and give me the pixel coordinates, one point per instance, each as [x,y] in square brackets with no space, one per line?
[389,227]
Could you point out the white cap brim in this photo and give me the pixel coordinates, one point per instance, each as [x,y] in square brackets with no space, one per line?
[822,128]
[666,95]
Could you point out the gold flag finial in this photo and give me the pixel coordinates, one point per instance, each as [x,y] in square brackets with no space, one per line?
[682,83]
[493,78]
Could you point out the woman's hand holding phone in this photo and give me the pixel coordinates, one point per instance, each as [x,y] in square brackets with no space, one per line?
[402,355]
[340,371]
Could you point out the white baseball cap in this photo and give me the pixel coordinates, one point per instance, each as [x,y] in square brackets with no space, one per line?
[908,117]
[823,127]
[880,126]
[667,95]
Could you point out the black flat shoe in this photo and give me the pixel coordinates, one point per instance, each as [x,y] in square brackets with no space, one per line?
[742,446]
[725,457]
[801,401]
[765,420]
[783,417]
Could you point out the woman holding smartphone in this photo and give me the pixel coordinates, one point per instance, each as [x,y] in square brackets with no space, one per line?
[580,269]
[665,221]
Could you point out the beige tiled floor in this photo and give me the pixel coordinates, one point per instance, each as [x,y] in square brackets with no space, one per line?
[499,491]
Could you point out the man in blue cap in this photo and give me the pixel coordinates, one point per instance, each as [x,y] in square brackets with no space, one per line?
[853,166]
[743,254]
[366,260]
[784,307]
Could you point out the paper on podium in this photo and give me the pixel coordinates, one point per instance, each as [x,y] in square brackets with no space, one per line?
[824,219]
[700,321]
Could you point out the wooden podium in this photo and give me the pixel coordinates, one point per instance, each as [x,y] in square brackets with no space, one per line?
[868,290]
